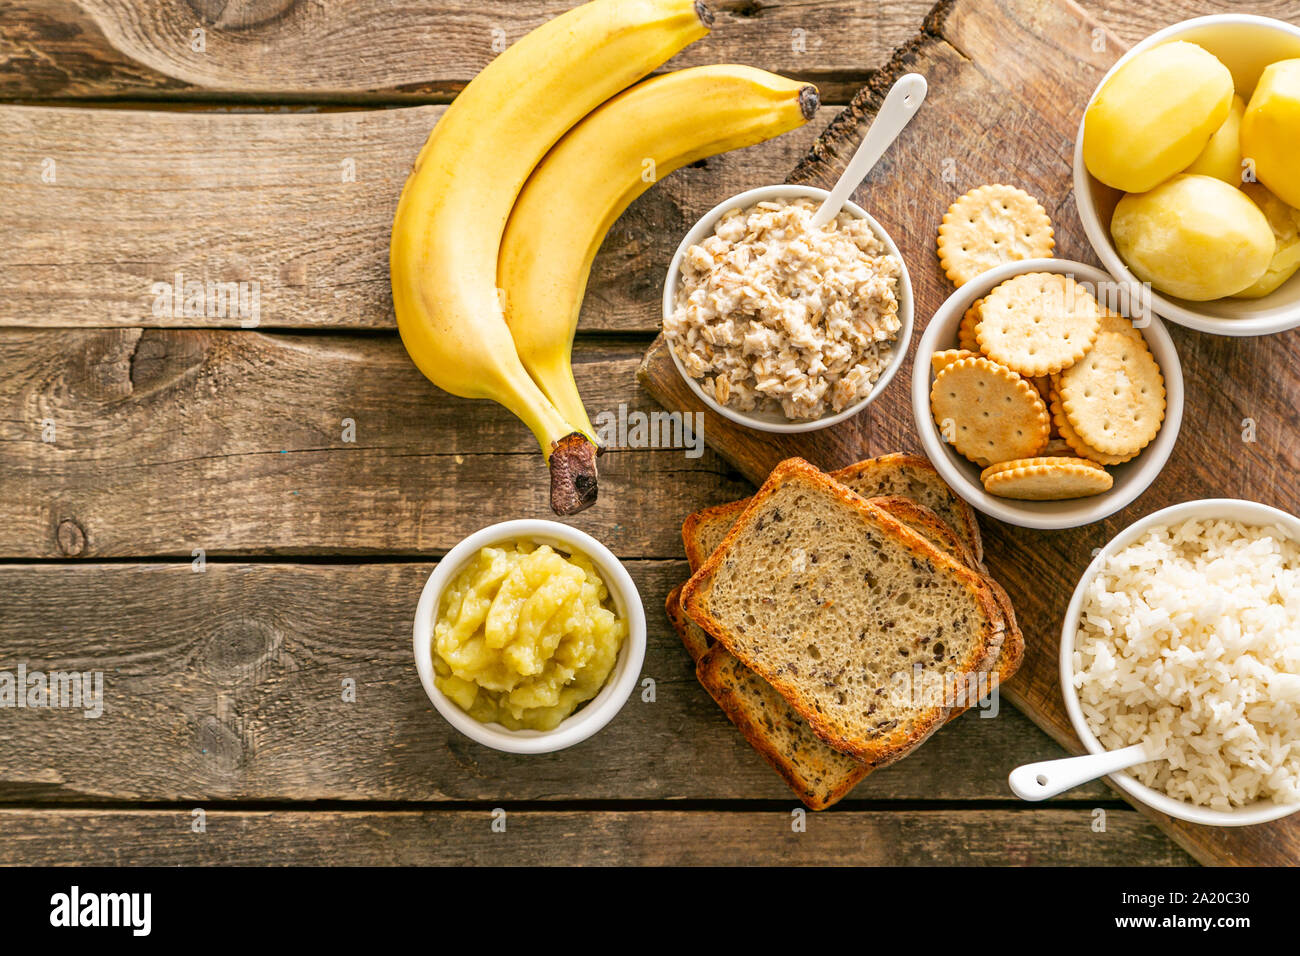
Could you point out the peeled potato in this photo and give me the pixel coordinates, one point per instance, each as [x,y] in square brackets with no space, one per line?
[1153,117]
[1270,130]
[1285,223]
[1221,157]
[1194,237]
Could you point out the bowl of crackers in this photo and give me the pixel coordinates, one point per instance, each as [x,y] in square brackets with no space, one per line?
[1044,396]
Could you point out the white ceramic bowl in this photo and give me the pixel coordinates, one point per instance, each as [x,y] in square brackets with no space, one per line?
[598,711]
[1247,512]
[1245,44]
[1131,478]
[775,421]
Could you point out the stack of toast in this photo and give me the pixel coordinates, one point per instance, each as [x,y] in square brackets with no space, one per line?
[814,603]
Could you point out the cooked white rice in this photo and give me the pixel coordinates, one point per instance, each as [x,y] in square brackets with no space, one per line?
[1190,640]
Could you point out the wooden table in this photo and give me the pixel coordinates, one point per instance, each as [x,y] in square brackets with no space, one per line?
[231,519]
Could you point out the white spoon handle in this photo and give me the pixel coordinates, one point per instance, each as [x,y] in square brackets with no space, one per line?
[1047,778]
[901,104]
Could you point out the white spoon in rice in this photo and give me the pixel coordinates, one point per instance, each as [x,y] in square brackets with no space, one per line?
[1047,778]
[901,103]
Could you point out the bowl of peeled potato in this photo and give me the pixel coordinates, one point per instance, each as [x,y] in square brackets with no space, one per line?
[1187,173]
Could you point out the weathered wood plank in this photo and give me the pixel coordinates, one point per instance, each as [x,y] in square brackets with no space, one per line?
[234,442]
[378,51]
[228,685]
[1017,117]
[1135,21]
[532,838]
[102,205]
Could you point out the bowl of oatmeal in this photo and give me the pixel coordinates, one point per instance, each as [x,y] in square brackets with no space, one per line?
[781,327]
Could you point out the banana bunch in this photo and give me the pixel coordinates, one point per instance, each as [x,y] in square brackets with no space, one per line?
[592,175]
[518,184]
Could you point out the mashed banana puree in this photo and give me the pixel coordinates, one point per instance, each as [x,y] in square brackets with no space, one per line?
[525,635]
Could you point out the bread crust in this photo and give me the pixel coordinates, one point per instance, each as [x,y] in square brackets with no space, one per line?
[710,671]
[695,522]
[969,530]
[875,750]
[922,519]
[694,638]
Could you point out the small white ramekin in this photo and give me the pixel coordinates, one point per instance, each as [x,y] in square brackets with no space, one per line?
[1245,44]
[775,422]
[598,711]
[1227,509]
[1131,478]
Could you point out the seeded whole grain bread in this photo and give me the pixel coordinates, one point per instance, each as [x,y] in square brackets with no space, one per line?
[915,478]
[815,771]
[819,775]
[896,475]
[809,544]
[703,530]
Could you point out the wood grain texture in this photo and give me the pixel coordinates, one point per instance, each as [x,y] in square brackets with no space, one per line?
[1135,21]
[991,117]
[371,50]
[228,685]
[234,442]
[102,205]
[531,838]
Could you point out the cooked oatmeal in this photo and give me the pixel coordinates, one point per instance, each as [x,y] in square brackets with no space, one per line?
[772,314]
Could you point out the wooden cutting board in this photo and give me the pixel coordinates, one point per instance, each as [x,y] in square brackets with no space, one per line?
[1008,83]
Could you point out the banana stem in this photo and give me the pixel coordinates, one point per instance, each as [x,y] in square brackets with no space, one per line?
[573,474]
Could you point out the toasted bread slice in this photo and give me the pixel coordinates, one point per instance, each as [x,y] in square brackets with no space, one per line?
[917,479]
[928,525]
[824,595]
[889,476]
[704,530]
[818,774]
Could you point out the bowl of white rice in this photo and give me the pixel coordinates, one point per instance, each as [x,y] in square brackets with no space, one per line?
[1184,634]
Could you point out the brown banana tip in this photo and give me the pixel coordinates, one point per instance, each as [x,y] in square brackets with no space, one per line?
[573,475]
[704,13]
[809,101]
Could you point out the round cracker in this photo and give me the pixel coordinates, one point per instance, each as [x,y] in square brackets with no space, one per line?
[991,225]
[1114,397]
[941,360]
[1046,479]
[1038,323]
[966,331]
[1114,322]
[988,412]
[1077,444]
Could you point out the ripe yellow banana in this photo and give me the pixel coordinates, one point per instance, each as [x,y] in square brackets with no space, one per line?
[592,175]
[454,207]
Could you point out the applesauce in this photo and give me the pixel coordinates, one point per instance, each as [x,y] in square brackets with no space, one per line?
[525,635]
